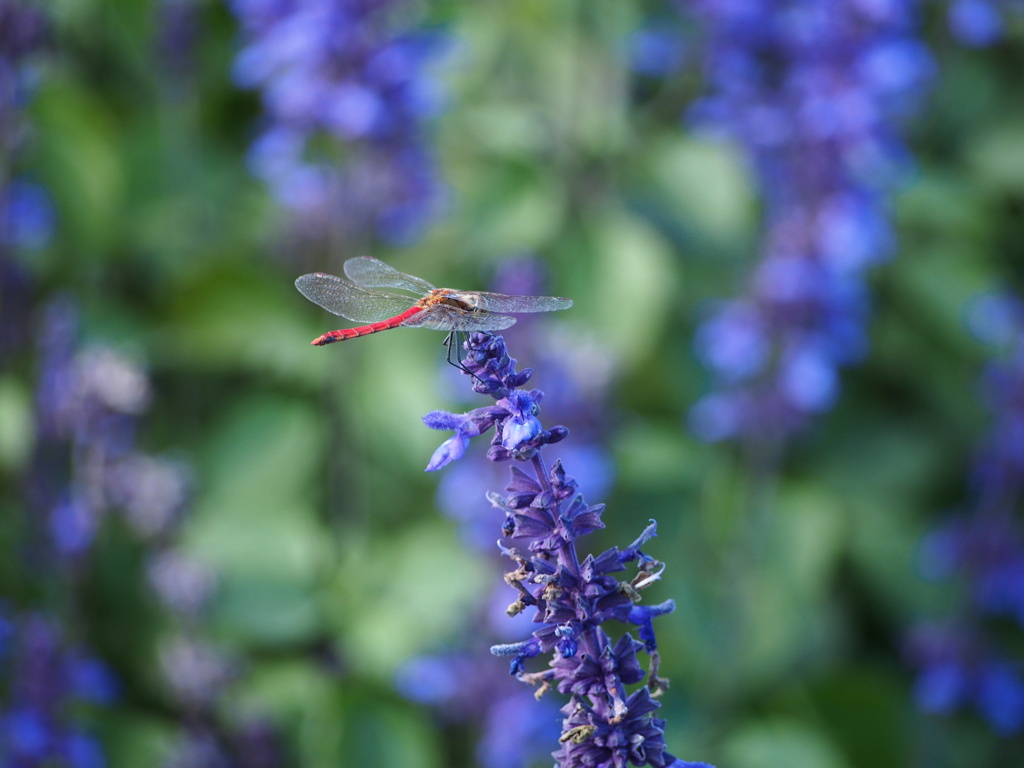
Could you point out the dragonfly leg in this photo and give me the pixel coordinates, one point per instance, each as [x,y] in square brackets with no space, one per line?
[453,341]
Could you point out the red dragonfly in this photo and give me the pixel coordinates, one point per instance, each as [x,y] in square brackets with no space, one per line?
[360,299]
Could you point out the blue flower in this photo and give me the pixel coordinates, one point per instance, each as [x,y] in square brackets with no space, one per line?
[964,663]
[1001,697]
[642,616]
[72,526]
[520,652]
[976,23]
[348,95]
[27,216]
[431,679]
[91,680]
[450,450]
[6,632]
[734,342]
[522,424]
[813,94]
[657,49]
[466,426]
[593,739]
[83,751]
[48,681]
[942,688]
[27,734]
[514,416]
[544,515]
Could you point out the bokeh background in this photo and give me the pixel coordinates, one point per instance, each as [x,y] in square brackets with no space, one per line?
[793,234]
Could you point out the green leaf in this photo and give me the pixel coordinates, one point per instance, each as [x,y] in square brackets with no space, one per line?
[706,183]
[780,742]
[17,433]
[635,278]
[81,164]
[406,594]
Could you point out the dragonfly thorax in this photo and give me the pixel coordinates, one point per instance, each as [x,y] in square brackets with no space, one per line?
[469,302]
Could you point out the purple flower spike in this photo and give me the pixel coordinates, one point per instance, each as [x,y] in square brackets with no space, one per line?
[344,80]
[543,516]
[48,681]
[968,662]
[814,94]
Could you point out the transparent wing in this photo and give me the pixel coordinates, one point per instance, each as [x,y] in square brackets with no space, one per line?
[340,297]
[443,317]
[499,302]
[368,272]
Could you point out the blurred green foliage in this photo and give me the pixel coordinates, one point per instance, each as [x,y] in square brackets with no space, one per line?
[793,587]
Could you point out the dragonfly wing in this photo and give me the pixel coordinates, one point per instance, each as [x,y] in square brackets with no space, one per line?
[499,302]
[340,297]
[369,272]
[443,317]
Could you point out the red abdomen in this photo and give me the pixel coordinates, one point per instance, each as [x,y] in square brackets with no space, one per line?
[365,330]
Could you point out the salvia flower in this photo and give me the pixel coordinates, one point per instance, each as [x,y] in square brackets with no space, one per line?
[348,96]
[543,515]
[964,662]
[813,93]
[980,23]
[26,213]
[465,686]
[88,401]
[960,668]
[86,467]
[195,671]
[48,680]
[23,29]
[579,374]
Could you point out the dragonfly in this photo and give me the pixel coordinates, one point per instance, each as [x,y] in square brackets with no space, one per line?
[367,294]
